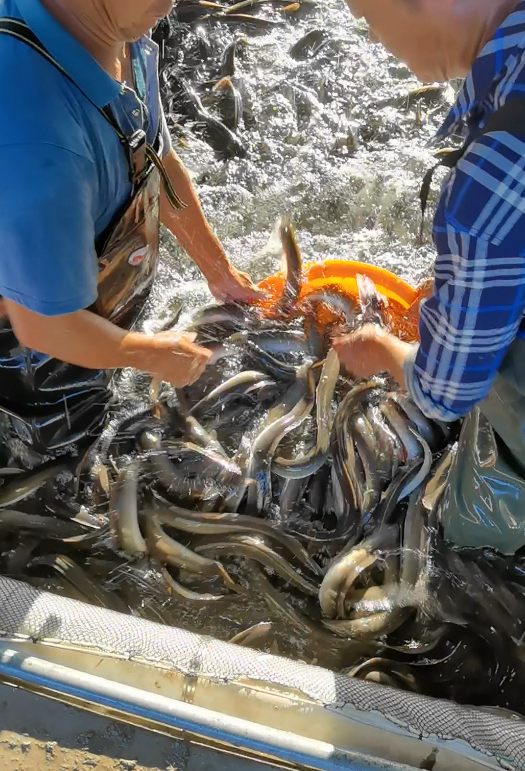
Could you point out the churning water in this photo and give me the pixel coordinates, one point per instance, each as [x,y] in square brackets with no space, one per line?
[337,142]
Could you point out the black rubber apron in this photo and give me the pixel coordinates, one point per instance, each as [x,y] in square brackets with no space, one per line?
[47,403]
[484,505]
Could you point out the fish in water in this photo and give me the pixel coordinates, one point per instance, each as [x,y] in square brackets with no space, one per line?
[309,45]
[274,476]
[294,264]
[226,101]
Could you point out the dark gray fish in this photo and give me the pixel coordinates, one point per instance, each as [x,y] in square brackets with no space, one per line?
[283,342]
[218,136]
[254,5]
[152,441]
[389,448]
[23,485]
[398,422]
[291,495]
[312,461]
[277,603]
[377,446]
[369,627]
[191,11]
[309,45]
[294,265]
[363,441]
[210,129]
[347,466]
[172,319]
[231,315]
[224,413]
[197,434]
[316,497]
[198,471]
[171,552]
[262,359]
[426,428]
[48,527]
[266,443]
[394,493]
[81,581]
[292,395]
[238,384]
[347,567]
[316,342]
[373,304]
[438,482]
[183,593]
[251,23]
[124,511]
[255,547]
[399,675]
[418,637]
[228,64]
[337,302]
[255,634]
[210,522]
[227,102]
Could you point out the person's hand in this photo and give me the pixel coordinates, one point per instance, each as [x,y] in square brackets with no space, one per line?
[233,286]
[175,358]
[360,351]
[370,350]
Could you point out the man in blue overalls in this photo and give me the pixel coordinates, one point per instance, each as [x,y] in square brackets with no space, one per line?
[87,171]
[471,357]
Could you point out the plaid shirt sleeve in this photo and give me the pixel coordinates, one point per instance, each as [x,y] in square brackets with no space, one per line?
[479,300]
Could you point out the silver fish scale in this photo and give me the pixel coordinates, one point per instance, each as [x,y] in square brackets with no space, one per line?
[26,612]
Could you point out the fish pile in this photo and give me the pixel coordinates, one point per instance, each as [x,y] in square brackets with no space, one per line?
[202,87]
[277,489]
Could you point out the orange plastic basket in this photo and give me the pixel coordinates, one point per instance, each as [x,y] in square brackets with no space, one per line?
[341,276]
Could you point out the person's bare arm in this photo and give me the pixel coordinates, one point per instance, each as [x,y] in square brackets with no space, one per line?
[87,340]
[196,237]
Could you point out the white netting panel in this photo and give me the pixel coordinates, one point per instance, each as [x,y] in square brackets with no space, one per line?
[29,613]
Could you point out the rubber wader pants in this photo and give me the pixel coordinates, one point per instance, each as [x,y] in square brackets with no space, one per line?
[484,505]
[485,501]
[49,404]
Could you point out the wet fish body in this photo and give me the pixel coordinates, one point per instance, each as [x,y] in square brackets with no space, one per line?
[124,510]
[255,634]
[309,45]
[12,521]
[228,103]
[265,445]
[81,581]
[294,265]
[216,523]
[169,551]
[346,568]
[312,461]
[23,485]
[256,548]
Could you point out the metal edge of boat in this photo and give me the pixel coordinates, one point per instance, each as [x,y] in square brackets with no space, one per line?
[232,699]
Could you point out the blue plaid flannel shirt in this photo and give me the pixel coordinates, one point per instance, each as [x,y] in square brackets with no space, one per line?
[478,306]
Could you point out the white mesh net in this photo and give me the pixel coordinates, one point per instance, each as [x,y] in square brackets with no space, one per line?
[27,613]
